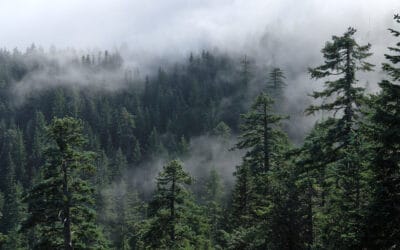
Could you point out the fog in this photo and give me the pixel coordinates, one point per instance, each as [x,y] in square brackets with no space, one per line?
[178,26]
[288,34]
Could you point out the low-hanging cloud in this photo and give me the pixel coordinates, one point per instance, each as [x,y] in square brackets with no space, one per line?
[285,33]
[205,153]
[177,26]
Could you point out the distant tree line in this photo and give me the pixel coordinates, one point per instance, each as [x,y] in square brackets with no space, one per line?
[65,151]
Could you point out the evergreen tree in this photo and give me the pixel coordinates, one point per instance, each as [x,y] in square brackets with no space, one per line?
[265,146]
[123,215]
[383,130]
[174,221]
[222,131]
[119,166]
[213,203]
[275,86]
[12,206]
[259,134]
[61,203]
[340,220]
[155,146]
[38,144]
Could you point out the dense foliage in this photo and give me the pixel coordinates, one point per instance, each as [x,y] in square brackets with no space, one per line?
[76,135]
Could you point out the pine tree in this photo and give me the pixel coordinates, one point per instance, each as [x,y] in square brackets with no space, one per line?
[213,203]
[243,200]
[383,128]
[119,166]
[341,221]
[11,208]
[38,143]
[275,86]
[311,183]
[183,147]
[245,71]
[61,203]
[259,134]
[154,145]
[174,221]
[123,213]
[222,131]
[125,125]
[257,196]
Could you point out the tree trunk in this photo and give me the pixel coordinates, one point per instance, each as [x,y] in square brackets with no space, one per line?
[172,210]
[266,149]
[66,210]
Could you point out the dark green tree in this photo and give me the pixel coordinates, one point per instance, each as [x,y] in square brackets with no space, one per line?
[123,214]
[38,144]
[259,134]
[174,222]
[275,86]
[254,195]
[341,221]
[383,128]
[61,203]
[214,203]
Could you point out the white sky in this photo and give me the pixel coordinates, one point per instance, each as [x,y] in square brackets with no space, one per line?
[182,25]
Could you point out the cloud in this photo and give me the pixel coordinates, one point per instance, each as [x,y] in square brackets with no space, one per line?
[176,26]
[205,153]
[285,33]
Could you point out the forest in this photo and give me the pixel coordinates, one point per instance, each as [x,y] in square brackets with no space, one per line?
[197,154]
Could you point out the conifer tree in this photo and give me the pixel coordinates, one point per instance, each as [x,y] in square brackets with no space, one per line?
[61,203]
[213,203]
[275,85]
[119,166]
[259,134]
[342,95]
[12,209]
[123,214]
[174,219]
[38,143]
[253,196]
[243,198]
[383,128]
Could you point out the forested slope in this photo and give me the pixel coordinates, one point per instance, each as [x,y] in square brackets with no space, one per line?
[76,130]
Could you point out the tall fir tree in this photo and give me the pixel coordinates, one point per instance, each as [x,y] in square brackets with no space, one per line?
[341,221]
[174,220]
[62,202]
[254,194]
[214,204]
[383,223]
[275,86]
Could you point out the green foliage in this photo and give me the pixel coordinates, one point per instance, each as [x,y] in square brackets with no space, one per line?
[123,213]
[275,86]
[214,204]
[264,197]
[61,202]
[222,130]
[259,134]
[339,218]
[175,221]
[382,128]
[338,190]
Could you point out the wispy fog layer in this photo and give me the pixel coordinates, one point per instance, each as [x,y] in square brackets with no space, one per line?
[205,153]
[177,26]
[285,33]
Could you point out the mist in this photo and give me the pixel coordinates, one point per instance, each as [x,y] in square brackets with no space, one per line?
[179,26]
[287,34]
[205,153]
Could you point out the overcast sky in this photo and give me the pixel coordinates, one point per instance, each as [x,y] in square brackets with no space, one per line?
[181,25]
[284,33]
